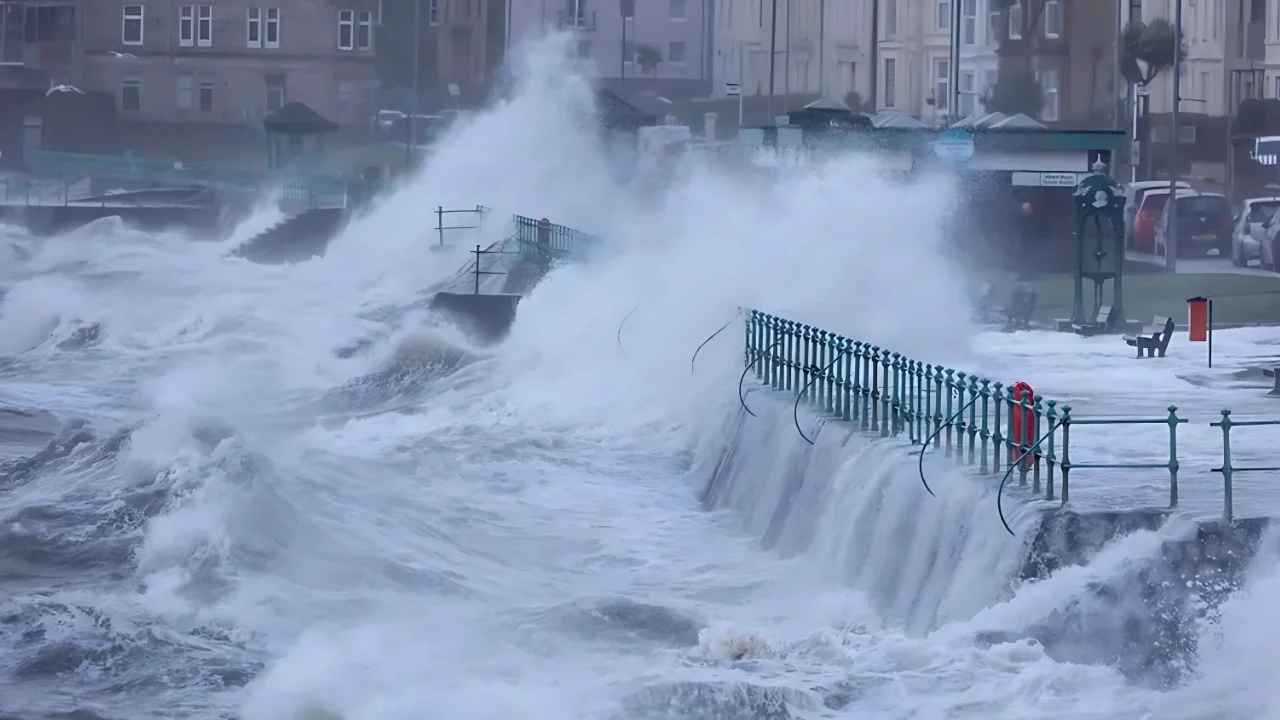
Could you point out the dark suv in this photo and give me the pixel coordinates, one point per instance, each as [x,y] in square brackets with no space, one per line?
[1204,225]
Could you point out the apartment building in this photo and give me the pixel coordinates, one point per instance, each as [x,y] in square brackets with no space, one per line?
[819,47]
[227,62]
[458,42]
[979,35]
[915,57]
[1233,53]
[626,39]
[1071,48]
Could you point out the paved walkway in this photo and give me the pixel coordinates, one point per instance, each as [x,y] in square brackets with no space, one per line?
[1100,377]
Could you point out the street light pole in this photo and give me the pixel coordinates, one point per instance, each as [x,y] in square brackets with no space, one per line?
[1171,238]
[411,121]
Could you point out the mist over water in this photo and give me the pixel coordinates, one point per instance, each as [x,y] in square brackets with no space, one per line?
[235,519]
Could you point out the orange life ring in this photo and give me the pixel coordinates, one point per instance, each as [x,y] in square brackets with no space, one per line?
[1024,427]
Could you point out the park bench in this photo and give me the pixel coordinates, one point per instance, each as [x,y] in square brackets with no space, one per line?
[1101,324]
[1274,374]
[1154,338]
[1022,304]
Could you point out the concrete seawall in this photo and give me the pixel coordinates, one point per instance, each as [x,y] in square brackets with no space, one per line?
[487,318]
[43,220]
[910,551]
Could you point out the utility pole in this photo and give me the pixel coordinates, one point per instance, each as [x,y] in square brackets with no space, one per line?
[786,54]
[953,107]
[411,136]
[773,52]
[1171,237]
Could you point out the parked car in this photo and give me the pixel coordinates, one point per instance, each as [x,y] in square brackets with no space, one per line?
[1150,205]
[1203,227]
[1269,246]
[1133,194]
[1249,228]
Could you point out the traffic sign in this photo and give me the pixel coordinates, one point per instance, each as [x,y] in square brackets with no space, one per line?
[732,89]
[954,145]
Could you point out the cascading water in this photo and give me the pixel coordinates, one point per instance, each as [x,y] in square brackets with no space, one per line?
[278,492]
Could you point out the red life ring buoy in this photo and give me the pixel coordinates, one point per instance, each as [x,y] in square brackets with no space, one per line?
[1024,421]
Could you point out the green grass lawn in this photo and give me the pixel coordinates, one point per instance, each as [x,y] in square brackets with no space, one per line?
[1236,298]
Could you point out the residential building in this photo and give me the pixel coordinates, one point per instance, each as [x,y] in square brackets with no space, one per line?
[226,62]
[915,72]
[979,36]
[626,39]
[459,42]
[820,47]
[1071,49]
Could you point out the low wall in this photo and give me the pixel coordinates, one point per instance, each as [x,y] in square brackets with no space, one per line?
[487,318]
[44,220]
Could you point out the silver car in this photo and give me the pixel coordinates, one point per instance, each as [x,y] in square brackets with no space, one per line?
[1249,229]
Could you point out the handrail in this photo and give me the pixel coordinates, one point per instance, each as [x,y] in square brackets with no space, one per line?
[1228,469]
[970,417]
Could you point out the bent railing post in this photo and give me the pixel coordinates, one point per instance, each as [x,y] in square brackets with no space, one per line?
[1173,456]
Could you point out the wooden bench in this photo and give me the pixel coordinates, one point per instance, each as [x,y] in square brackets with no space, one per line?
[1100,324]
[1022,305]
[1154,338]
[1274,374]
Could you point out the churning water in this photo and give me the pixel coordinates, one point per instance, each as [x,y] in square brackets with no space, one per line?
[210,509]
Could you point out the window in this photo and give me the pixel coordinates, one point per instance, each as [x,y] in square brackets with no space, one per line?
[433,12]
[969,22]
[847,76]
[253,28]
[364,30]
[33,131]
[676,10]
[275,92]
[1015,21]
[206,96]
[995,25]
[131,28]
[891,19]
[943,20]
[187,25]
[204,25]
[890,82]
[968,94]
[675,52]
[1049,84]
[942,84]
[272,37]
[1052,19]
[346,30]
[131,95]
[185,85]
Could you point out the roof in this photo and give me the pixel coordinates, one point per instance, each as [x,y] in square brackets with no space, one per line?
[298,118]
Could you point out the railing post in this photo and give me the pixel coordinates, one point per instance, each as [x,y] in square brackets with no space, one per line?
[1227,489]
[885,411]
[958,418]
[1036,410]
[896,400]
[938,417]
[948,423]
[846,388]
[985,432]
[873,389]
[997,437]
[1051,417]
[1066,453]
[974,394]
[1173,456]
[478,251]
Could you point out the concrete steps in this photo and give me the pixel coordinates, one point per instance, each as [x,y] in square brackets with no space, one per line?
[295,239]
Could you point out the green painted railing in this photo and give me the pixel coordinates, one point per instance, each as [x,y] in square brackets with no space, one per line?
[1228,470]
[547,241]
[976,421]
[315,189]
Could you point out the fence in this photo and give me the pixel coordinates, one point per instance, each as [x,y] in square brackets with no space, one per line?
[70,170]
[478,213]
[975,420]
[545,241]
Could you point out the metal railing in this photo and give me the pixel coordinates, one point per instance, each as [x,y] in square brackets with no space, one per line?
[545,240]
[479,212]
[975,420]
[1228,469]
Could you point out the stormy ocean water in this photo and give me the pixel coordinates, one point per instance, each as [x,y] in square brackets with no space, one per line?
[211,508]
